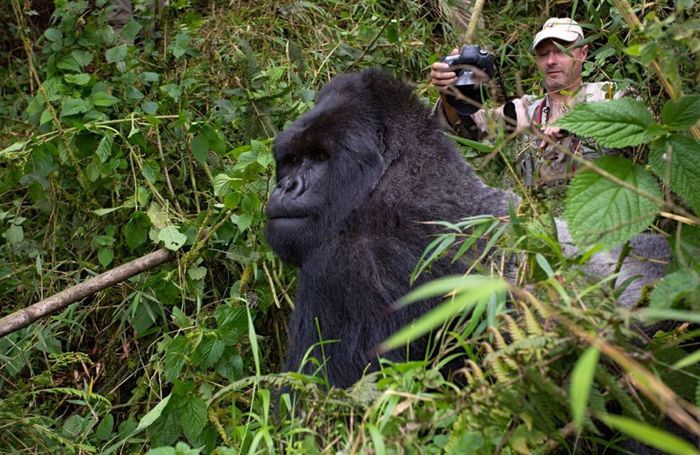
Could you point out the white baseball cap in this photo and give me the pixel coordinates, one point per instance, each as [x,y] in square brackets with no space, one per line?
[565,29]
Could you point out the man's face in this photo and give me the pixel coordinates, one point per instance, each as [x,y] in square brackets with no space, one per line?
[561,68]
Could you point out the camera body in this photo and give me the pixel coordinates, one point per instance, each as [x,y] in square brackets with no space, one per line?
[471,55]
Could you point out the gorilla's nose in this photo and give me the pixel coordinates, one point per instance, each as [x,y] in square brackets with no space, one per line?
[291,186]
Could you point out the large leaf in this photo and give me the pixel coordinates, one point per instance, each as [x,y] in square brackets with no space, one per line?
[200,149]
[136,230]
[681,114]
[673,287]
[193,416]
[72,106]
[600,211]
[615,123]
[172,238]
[680,156]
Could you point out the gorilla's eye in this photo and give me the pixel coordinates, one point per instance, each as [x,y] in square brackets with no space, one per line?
[318,155]
[291,159]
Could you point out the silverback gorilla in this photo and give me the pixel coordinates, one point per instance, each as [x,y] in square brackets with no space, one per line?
[356,176]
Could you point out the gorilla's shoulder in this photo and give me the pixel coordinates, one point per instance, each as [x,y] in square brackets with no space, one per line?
[381,92]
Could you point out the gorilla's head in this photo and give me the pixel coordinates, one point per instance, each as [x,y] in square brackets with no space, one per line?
[328,162]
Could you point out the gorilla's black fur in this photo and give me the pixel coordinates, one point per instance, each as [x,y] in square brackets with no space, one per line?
[356,176]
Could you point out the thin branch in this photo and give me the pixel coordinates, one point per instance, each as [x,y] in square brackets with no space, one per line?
[32,313]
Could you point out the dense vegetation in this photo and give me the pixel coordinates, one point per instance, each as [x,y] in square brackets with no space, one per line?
[115,145]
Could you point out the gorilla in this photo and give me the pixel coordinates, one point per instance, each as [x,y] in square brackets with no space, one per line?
[357,178]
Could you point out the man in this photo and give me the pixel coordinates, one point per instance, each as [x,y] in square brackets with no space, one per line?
[559,53]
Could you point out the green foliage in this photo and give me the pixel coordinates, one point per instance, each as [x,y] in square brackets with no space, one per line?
[615,123]
[159,137]
[601,211]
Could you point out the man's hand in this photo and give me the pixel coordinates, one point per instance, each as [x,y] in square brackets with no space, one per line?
[553,134]
[441,76]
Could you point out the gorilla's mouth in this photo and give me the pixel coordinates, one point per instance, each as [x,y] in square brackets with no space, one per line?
[287,220]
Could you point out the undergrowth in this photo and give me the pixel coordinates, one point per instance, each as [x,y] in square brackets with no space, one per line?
[117,144]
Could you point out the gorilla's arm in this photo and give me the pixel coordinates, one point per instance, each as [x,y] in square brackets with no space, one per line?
[645,263]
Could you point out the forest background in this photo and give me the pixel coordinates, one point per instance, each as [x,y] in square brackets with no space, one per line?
[115,145]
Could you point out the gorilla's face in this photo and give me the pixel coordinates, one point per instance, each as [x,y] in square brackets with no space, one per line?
[328,161]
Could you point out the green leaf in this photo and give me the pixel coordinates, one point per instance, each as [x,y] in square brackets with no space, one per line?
[162,451]
[673,287]
[193,416]
[152,415]
[253,338]
[83,58]
[151,171]
[599,211]
[197,272]
[116,54]
[172,238]
[148,76]
[682,155]
[104,148]
[175,358]
[682,113]
[150,107]
[655,314]
[136,230]
[104,99]
[470,290]
[46,117]
[130,30]
[104,430]
[77,79]
[16,147]
[106,211]
[613,123]
[145,422]
[53,34]
[649,435]
[180,318]
[73,106]
[158,217]
[581,382]
[69,63]
[689,360]
[209,351]
[172,90]
[181,44]
[105,256]
[377,439]
[200,149]
[232,200]
[222,184]
[14,234]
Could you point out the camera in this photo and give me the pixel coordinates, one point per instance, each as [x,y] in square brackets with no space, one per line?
[469,86]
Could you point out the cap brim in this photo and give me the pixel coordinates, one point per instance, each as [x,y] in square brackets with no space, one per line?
[555,34]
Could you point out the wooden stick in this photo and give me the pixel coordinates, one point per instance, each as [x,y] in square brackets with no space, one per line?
[32,313]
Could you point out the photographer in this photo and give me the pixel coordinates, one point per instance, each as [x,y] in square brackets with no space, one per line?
[559,54]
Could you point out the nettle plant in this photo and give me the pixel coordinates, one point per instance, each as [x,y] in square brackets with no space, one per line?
[616,199]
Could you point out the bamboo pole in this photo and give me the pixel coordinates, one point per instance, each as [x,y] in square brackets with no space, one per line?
[474,21]
[56,302]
